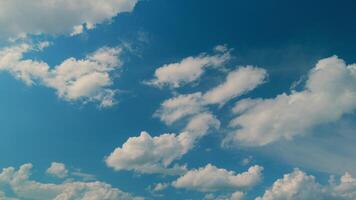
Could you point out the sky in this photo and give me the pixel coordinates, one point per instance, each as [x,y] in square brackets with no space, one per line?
[178,100]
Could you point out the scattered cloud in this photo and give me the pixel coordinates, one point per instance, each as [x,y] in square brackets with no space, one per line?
[189,69]
[22,187]
[299,185]
[211,179]
[55,17]
[147,154]
[238,82]
[179,107]
[160,186]
[58,170]
[85,79]
[330,93]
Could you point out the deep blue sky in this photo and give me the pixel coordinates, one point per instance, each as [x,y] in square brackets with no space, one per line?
[286,38]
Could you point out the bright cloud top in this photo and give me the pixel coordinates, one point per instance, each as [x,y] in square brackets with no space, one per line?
[330,93]
[211,179]
[22,187]
[299,185]
[85,79]
[147,154]
[189,69]
[57,16]
[58,170]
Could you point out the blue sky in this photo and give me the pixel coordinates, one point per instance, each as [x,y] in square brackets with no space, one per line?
[154,99]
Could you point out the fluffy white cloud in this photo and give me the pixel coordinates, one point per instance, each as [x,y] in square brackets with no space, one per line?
[20,18]
[299,185]
[189,69]
[58,170]
[211,178]
[346,189]
[147,154]
[296,185]
[84,79]
[238,82]
[180,106]
[330,93]
[22,187]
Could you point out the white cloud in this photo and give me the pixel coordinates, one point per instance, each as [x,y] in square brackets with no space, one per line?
[19,18]
[84,79]
[237,196]
[346,189]
[330,93]
[22,187]
[189,69]
[147,154]
[160,186]
[296,185]
[180,106]
[299,185]
[238,82]
[58,170]
[211,178]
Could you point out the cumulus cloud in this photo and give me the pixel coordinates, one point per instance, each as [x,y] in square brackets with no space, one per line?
[85,79]
[58,170]
[296,185]
[329,93]
[210,179]
[180,106]
[22,187]
[147,154]
[238,82]
[299,185]
[57,16]
[189,69]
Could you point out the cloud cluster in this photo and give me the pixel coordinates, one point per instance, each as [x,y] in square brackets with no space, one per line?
[189,69]
[22,187]
[147,154]
[329,93]
[299,185]
[239,81]
[85,79]
[211,179]
[33,17]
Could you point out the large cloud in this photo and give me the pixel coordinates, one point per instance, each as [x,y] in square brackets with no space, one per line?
[189,69]
[85,79]
[147,154]
[19,18]
[299,185]
[238,82]
[330,93]
[211,179]
[22,187]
